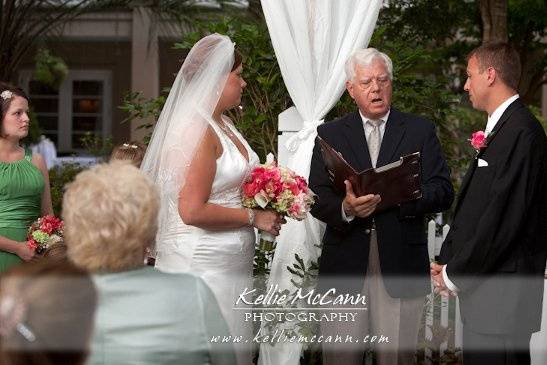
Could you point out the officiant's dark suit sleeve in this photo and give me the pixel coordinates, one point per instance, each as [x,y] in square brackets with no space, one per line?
[437,190]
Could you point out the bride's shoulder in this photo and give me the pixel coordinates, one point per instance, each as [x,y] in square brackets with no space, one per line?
[211,136]
[211,141]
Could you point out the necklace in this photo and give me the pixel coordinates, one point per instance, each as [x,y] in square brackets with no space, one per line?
[226,130]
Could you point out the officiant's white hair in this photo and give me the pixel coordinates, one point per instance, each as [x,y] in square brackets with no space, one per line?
[365,57]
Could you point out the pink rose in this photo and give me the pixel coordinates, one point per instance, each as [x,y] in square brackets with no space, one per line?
[478,140]
[250,189]
[273,174]
[269,189]
[295,210]
[302,185]
[274,188]
[293,187]
[50,223]
[32,244]
[258,170]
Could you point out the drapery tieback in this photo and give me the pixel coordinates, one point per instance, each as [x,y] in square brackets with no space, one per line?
[307,130]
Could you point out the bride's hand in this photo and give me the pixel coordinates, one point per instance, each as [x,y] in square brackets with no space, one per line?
[268,221]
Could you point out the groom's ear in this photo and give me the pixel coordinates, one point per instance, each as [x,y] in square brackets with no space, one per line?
[491,75]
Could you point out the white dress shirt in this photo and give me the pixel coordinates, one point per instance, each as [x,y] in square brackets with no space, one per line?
[490,125]
[496,115]
[368,130]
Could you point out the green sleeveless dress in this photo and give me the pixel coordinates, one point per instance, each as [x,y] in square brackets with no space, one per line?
[21,188]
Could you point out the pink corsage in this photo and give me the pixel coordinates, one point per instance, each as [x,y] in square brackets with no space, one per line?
[478,140]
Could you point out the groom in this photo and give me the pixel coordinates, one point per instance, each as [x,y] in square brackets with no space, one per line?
[382,255]
[494,255]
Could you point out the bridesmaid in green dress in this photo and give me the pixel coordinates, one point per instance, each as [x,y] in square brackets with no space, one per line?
[24,181]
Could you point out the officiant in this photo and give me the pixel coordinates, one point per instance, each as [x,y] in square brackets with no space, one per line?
[380,254]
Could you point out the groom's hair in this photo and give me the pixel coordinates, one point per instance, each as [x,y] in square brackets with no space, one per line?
[503,58]
[365,57]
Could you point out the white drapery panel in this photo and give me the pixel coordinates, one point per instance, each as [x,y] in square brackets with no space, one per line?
[312,40]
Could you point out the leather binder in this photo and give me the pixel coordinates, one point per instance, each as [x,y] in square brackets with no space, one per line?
[396,183]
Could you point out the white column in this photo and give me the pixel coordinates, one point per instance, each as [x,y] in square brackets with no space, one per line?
[290,122]
[144,62]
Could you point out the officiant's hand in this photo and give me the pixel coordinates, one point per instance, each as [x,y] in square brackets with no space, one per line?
[362,206]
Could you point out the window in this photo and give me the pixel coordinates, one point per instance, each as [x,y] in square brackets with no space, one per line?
[81,105]
[45,103]
[87,115]
[217,4]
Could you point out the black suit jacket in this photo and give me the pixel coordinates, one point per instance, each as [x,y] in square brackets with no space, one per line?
[401,230]
[497,244]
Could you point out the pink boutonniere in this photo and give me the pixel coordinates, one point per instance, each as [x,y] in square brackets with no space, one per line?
[478,140]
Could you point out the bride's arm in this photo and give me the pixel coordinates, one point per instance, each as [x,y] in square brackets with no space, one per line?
[193,205]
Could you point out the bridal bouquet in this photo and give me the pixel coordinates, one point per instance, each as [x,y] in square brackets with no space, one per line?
[44,232]
[270,186]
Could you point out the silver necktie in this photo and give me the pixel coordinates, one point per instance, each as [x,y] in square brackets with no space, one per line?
[374,140]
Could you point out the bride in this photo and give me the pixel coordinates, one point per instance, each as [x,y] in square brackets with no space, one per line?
[199,161]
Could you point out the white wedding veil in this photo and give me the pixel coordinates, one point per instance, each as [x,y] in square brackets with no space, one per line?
[185,117]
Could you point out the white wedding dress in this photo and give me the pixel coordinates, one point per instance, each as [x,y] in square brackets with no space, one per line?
[223,258]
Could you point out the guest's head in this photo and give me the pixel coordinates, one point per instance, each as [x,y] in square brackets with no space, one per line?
[110,213]
[493,74]
[46,314]
[369,74]
[130,151]
[14,108]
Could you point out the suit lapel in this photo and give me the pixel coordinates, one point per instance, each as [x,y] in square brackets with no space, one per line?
[503,119]
[465,182]
[355,135]
[393,134]
[517,104]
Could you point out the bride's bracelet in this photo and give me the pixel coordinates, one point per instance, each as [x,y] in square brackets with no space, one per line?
[251,215]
